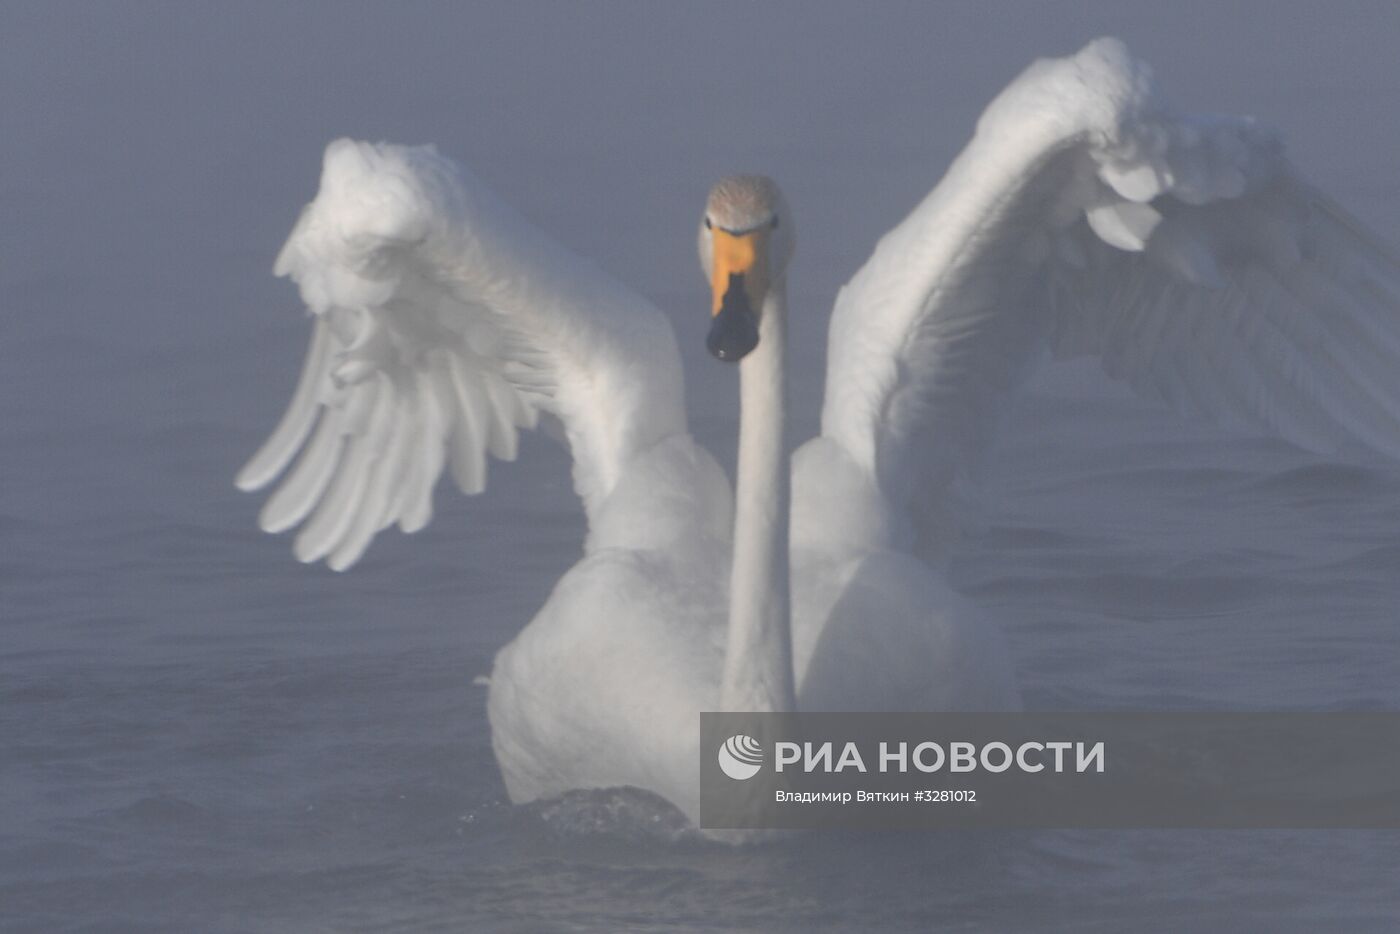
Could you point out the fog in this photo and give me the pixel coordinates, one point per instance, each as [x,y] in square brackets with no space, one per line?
[198,733]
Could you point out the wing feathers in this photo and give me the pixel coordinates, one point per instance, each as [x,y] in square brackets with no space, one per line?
[366,519]
[1184,252]
[297,496]
[287,438]
[336,511]
[472,427]
[505,411]
[444,324]
[427,461]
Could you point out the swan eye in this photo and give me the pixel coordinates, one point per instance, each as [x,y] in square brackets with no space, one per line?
[708,225]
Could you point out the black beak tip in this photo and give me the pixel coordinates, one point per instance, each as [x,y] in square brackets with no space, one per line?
[734,333]
[732,343]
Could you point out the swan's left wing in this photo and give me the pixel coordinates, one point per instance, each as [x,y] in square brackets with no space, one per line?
[443,323]
[1086,218]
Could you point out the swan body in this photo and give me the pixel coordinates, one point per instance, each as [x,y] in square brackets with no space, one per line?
[1085,217]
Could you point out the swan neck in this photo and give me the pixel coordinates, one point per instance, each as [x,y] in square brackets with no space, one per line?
[758,673]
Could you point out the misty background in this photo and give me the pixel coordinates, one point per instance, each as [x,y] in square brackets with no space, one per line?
[196,732]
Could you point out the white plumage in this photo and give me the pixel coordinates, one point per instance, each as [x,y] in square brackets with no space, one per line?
[445,323]
[1085,217]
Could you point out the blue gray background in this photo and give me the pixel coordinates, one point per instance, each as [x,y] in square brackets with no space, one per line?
[196,733]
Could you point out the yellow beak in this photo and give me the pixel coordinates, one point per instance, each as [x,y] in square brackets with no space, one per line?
[739,255]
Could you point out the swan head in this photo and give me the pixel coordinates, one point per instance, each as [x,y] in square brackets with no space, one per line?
[745,245]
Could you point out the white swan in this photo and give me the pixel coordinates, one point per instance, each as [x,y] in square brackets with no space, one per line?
[1083,218]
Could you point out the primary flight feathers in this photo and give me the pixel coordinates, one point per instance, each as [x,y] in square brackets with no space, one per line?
[444,323]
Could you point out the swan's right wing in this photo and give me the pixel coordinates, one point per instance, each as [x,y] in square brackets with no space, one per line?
[1273,312]
[1087,217]
[443,323]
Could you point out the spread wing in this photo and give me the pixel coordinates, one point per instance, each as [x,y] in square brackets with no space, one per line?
[1085,217]
[442,324]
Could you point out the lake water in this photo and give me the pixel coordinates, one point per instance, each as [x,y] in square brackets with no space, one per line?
[197,733]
